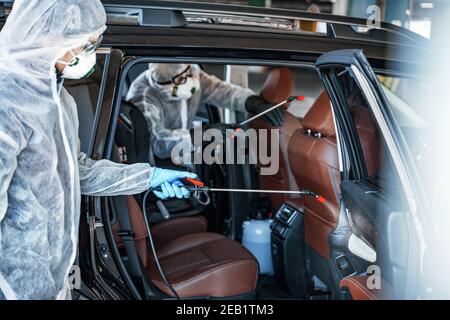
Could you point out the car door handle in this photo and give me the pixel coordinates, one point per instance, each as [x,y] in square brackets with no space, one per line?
[361,248]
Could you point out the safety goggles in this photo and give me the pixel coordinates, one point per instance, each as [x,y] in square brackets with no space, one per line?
[89,48]
[179,79]
[92,46]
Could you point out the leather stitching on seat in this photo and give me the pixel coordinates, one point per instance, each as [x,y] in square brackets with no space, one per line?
[163,251]
[214,264]
[203,275]
[308,153]
[188,266]
[161,230]
[181,221]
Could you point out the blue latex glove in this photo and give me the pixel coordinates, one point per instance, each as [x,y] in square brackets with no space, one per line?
[169,181]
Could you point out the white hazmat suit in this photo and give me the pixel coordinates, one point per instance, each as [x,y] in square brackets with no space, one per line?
[170,118]
[41,172]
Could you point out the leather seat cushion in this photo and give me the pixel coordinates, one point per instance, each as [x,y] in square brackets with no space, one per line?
[167,231]
[193,262]
[163,232]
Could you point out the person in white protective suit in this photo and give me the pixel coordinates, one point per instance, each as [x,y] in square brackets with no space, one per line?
[42,174]
[169,96]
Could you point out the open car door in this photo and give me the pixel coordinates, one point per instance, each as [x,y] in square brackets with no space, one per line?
[372,248]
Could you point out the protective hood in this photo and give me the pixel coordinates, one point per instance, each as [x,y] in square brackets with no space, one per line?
[164,72]
[169,119]
[37,32]
[39,171]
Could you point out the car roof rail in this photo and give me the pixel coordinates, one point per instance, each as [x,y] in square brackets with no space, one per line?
[146,17]
[167,13]
[340,27]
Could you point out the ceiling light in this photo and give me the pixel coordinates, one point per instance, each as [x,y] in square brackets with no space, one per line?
[427,5]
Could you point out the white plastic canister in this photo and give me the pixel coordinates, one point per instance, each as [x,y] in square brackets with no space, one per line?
[256,238]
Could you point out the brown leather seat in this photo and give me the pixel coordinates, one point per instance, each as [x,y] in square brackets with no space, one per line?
[167,231]
[314,161]
[197,264]
[206,264]
[279,86]
[313,156]
[358,289]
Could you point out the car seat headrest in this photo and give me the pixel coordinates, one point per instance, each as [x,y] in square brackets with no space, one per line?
[319,118]
[279,86]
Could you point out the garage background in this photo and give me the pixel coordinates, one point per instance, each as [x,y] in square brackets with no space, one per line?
[416,15]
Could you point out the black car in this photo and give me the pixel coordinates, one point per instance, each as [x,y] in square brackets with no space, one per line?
[348,139]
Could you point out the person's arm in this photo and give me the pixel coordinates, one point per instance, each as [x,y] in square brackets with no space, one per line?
[223,94]
[108,178]
[163,140]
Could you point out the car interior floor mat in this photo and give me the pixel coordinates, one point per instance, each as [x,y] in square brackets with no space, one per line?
[269,289]
[319,295]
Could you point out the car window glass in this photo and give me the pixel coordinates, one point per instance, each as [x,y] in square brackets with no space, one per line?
[86,94]
[373,148]
[408,102]
[306,81]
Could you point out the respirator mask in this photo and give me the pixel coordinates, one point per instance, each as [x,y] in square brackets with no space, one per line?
[82,65]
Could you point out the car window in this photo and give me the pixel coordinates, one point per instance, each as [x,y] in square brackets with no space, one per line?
[86,94]
[408,104]
[373,150]
[306,81]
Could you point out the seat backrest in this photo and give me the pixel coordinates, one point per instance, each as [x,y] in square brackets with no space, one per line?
[132,135]
[314,162]
[313,156]
[279,85]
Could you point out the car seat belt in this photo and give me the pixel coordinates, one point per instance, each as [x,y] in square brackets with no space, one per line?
[127,235]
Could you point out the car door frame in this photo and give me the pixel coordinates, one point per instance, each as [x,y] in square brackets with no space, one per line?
[106,270]
[366,79]
[102,149]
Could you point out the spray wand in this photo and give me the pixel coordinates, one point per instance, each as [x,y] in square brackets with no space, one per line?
[290,99]
[197,187]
